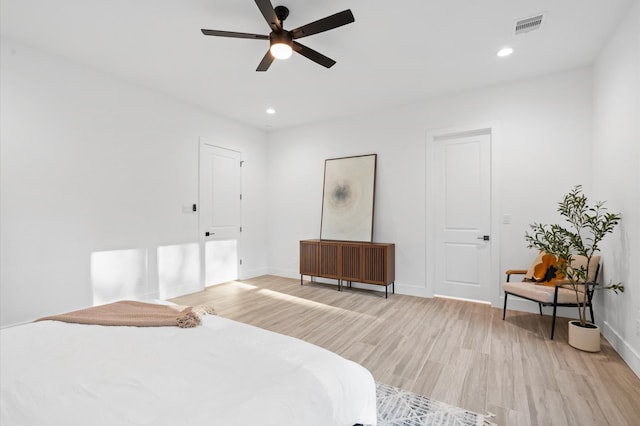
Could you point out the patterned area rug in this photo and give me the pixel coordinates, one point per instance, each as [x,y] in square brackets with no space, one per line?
[397,407]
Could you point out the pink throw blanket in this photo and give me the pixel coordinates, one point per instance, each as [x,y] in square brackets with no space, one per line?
[138,314]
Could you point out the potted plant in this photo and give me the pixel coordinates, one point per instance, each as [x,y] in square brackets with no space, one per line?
[587,226]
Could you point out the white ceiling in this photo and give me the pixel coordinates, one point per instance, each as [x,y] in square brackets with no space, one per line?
[395,53]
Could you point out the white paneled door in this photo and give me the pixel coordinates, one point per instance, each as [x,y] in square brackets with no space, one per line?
[463,216]
[220,212]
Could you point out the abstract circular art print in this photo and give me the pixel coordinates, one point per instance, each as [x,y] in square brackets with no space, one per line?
[347,205]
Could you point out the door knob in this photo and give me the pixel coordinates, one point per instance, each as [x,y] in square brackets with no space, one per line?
[484,237]
[207,234]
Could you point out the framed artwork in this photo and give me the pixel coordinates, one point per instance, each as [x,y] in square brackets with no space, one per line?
[348,198]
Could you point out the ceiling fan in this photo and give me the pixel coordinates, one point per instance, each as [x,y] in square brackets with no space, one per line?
[282,41]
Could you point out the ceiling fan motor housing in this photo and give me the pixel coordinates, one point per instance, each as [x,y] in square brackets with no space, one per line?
[282,36]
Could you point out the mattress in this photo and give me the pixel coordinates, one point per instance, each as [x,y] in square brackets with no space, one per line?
[220,373]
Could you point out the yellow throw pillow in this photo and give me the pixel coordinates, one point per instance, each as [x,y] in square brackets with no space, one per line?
[544,269]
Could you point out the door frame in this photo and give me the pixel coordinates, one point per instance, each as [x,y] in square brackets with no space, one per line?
[491,128]
[201,237]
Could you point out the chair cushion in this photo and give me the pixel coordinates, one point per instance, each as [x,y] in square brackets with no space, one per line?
[541,293]
[578,261]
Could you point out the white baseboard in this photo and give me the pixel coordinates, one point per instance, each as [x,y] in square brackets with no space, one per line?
[252,273]
[628,354]
[281,272]
[410,290]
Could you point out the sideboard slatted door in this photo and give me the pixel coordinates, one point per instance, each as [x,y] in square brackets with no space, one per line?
[309,258]
[329,260]
[351,262]
[378,260]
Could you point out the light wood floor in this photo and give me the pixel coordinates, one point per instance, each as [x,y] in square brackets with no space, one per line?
[461,353]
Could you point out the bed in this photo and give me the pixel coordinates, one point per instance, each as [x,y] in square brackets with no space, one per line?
[219,373]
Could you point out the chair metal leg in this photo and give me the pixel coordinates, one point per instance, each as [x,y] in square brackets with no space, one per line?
[504,310]
[593,321]
[553,322]
[540,306]
[555,308]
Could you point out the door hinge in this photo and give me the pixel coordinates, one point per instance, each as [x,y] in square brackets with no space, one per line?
[241,261]
[241,196]
[241,229]
[241,163]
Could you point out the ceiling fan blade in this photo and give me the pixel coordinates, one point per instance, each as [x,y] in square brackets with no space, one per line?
[266,62]
[316,57]
[234,34]
[266,8]
[330,22]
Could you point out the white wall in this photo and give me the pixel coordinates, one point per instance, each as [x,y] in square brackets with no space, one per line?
[616,169]
[94,175]
[541,123]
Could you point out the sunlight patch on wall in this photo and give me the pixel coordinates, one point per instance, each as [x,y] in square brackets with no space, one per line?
[118,275]
[221,257]
[178,270]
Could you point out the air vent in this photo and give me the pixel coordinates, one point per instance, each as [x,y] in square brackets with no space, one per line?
[528,24]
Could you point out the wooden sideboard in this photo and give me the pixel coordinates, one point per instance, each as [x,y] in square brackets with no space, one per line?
[370,263]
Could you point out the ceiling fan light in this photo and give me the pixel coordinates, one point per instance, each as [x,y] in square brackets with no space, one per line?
[280,42]
[281,50]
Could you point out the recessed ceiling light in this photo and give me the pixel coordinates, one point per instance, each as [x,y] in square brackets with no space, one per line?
[505,51]
[271,111]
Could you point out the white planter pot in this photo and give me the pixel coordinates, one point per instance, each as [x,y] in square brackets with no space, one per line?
[584,338]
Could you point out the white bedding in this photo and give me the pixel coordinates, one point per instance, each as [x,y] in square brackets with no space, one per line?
[221,373]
